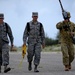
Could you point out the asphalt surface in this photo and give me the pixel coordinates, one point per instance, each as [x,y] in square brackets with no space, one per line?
[50,64]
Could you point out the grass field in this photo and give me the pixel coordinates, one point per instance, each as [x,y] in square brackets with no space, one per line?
[52,48]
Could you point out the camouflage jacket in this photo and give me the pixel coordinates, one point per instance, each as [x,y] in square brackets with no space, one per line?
[33,36]
[5,32]
[65,29]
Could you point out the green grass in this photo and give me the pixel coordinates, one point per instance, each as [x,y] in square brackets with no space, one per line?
[52,48]
[46,49]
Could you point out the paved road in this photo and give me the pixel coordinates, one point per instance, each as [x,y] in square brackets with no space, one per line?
[51,64]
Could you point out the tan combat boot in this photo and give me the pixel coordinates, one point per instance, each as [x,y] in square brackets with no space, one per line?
[66,68]
[69,66]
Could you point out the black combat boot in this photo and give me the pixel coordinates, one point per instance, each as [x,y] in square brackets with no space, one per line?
[35,69]
[6,69]
[30,66]
[0,68]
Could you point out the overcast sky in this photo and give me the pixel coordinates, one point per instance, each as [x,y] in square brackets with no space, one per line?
[19,12]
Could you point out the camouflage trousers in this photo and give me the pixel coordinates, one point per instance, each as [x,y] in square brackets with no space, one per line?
[34,50]
[67,53]
[4,54]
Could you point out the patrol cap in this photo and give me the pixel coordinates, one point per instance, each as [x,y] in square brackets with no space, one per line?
[1,15]
[34,13]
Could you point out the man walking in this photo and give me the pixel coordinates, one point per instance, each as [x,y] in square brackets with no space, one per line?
[5,31]
[67,31]
[36,37]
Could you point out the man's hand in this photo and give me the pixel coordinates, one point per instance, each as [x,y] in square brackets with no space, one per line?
[43,46]
[72,33]
[24,45]
[11,47]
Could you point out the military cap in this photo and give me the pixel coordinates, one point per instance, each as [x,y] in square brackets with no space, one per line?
[1,15]
[34,13]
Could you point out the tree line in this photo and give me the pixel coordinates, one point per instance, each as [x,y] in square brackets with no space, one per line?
[50,41]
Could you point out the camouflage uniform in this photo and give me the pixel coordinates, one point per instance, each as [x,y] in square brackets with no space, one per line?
[34,41]
[67,47]
[4,47]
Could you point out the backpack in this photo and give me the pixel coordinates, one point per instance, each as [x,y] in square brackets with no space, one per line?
[28,28]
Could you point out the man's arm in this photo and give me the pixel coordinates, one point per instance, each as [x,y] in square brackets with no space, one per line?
[42,36]
[73,29]
[9,32]
[58,25]
[25,35]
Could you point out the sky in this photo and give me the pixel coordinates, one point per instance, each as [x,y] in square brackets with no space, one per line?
[18,12]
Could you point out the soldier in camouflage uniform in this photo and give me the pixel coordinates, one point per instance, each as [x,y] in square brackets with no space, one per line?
[36,38]
[4,47]
[67,29]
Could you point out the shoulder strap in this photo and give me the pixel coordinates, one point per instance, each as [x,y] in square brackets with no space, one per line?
[40,29]
[6,27]
[28,27]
